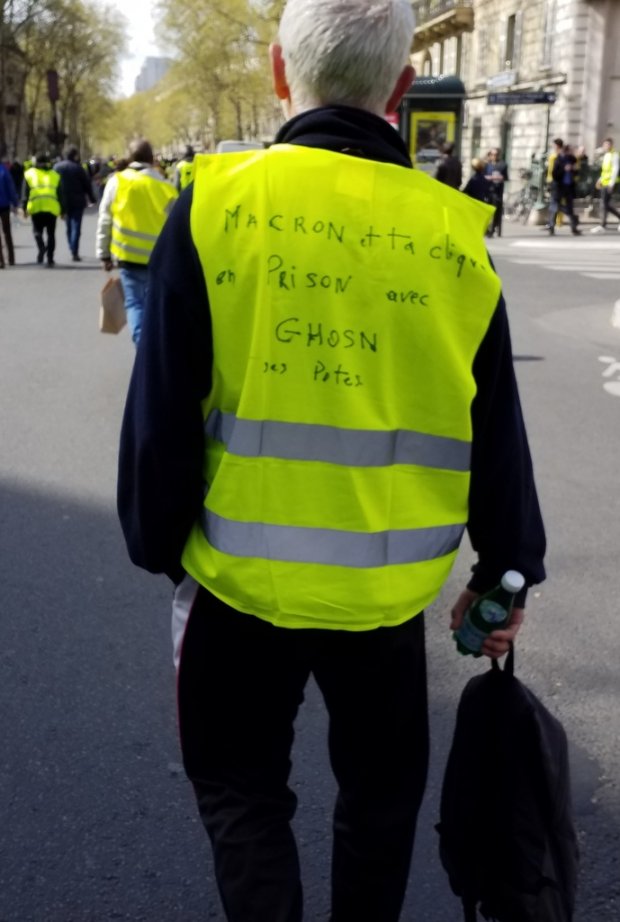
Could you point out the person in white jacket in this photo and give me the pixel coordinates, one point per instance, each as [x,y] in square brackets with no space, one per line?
[132,213]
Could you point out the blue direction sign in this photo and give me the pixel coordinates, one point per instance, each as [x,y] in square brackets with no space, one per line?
[532,98]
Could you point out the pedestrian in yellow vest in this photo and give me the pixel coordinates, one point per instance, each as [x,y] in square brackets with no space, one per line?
[42,200]
[184,171]
[323,401]
[134,208]
[558,145]
[610,168]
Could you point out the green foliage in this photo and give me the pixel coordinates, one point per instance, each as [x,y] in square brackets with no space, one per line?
[82,42]
[219,87]
[221,52]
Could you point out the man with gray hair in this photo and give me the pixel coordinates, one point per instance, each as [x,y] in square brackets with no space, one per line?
[322,402]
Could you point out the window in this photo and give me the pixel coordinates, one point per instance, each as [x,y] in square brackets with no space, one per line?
[546,59]
[476,137]
[427,65]
[510,42]
[506,140]
[481,59]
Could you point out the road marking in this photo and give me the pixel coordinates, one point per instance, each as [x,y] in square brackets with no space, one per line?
[569,267]
[613,368]
[593,259]
[534,244]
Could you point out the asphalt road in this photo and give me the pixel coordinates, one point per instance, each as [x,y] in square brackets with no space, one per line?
[96,819]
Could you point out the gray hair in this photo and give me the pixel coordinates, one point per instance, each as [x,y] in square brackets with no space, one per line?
[349,52]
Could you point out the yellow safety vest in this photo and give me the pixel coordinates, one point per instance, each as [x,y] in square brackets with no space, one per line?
[348,301]
[139,211]
[43,191]
[186,173]
[607,168]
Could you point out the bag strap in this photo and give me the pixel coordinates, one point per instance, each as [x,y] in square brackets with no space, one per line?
[509,663]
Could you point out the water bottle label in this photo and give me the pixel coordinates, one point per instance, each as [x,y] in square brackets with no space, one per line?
[492,612]
[470,636]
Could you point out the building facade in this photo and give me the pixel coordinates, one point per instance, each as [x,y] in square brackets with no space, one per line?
[153,70]
[566,50]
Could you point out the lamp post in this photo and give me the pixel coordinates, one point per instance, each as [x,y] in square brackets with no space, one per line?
[55,136]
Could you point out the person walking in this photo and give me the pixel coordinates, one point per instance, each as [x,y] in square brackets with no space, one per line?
[76,191]
[607,184]
[16,170]
[450,168]
[563,188]
[133,210]
[478,186]
[305,440]
[496,171]
[42,199]
[8,202]
[184,170]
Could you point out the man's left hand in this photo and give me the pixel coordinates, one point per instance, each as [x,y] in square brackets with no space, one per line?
[498,642]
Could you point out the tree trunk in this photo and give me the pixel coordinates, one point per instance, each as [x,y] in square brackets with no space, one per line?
[3,55]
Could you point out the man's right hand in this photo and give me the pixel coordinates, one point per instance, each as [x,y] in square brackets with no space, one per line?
[107,264]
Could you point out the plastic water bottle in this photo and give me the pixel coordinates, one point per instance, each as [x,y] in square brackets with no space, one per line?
[490,612]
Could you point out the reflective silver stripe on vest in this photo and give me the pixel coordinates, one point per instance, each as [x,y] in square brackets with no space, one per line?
[133,233]
[36,196]
[129,249]
[252,438]
[293,544]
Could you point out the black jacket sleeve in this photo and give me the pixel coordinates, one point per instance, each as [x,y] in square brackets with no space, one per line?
[87,186]
[62,198]
[160,483]
[505,524]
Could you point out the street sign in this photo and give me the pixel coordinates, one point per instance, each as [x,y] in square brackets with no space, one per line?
[535,97]
[504,79]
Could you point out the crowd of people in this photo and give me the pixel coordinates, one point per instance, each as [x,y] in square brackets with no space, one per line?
[46,188]
[486,183]
[567,176]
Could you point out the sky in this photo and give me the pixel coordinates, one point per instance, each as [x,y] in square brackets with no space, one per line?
[140,40]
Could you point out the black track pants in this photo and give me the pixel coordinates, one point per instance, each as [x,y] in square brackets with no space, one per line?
[241,682]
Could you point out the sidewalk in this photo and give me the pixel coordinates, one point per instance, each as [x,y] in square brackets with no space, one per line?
[512,228]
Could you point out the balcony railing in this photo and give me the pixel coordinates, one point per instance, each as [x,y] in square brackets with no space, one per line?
[437,20]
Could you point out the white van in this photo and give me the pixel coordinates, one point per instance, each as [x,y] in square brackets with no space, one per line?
[227,147]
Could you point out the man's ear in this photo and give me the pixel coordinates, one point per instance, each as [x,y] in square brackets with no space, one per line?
[278,73]
[404,83]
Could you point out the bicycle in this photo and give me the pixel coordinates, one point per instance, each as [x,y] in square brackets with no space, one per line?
[519,206]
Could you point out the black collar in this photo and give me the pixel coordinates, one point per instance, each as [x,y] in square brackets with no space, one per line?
[346,130]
